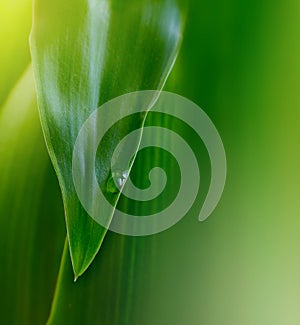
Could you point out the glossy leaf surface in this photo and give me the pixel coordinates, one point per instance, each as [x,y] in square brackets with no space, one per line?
[84,54]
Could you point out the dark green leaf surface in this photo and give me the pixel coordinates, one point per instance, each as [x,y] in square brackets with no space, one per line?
[84,54]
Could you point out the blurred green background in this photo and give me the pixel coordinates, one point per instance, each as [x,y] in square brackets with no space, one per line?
[240,63]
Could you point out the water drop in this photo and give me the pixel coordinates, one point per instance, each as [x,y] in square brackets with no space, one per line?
[116,181]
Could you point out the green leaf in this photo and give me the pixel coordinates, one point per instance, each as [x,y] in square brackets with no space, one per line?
[84,54]
[107,293]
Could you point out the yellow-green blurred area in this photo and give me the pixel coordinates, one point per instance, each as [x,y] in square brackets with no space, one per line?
[15,24]
[240,62]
